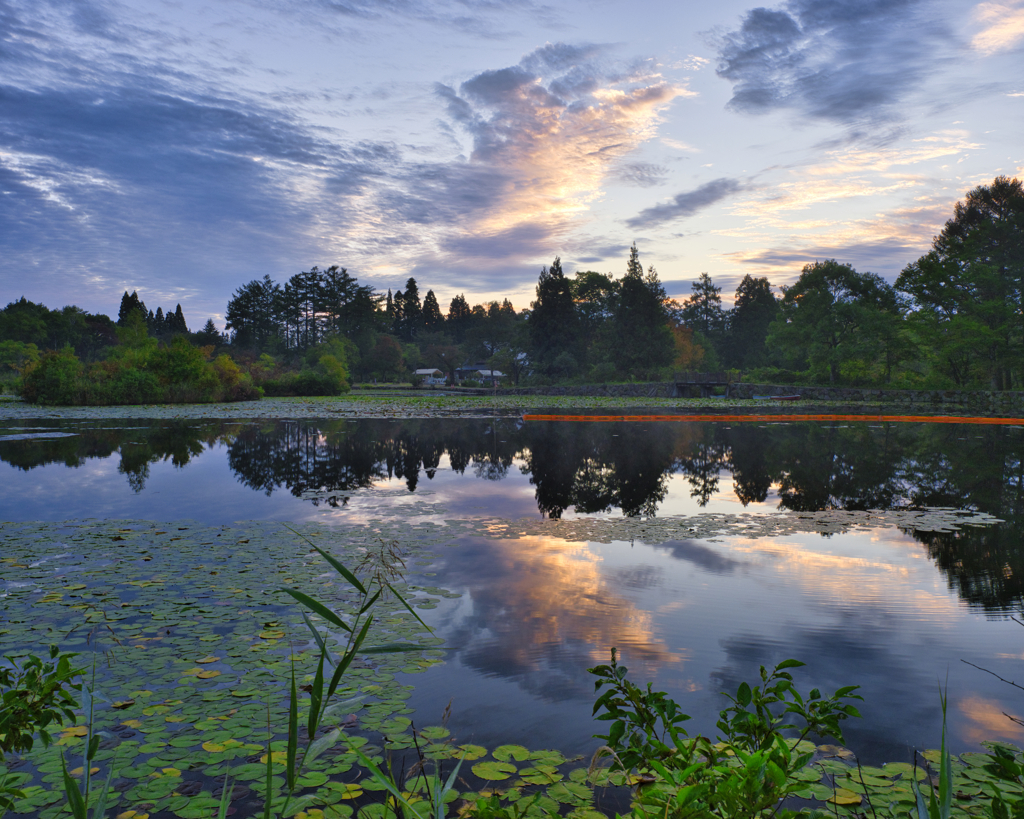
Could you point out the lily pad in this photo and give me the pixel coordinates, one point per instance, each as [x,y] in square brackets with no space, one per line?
[494,771]
[507,752]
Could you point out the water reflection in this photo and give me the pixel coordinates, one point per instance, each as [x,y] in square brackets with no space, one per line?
[603,468]
[543,610]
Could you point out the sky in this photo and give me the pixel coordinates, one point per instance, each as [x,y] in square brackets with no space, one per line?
[183,148]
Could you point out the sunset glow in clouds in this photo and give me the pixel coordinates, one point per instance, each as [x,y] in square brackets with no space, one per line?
[184,148]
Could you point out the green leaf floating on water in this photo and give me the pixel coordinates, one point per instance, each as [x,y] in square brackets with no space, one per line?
[470,752]
[507,752]
[494,771]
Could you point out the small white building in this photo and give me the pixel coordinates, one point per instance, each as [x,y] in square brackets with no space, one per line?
[432,376]
[486,377]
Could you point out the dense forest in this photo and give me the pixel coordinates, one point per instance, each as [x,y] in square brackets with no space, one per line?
[953,318]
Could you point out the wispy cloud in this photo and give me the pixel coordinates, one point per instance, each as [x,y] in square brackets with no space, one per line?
[834,61]
[686,204]
[805,215]
[1003,26]
[490,19]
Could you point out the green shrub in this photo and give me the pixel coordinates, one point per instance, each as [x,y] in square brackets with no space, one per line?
[776,375]
[54,379]
[179,363]
[132,386]
[316,382]
[564,366]
[746,774]
[603,372]
[243,390]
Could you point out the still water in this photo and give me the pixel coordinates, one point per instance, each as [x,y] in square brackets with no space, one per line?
[734,578]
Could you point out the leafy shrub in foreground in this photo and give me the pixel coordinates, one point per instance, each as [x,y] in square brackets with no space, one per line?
[745,774]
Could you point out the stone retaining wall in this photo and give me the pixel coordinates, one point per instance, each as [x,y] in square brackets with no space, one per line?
[985,399]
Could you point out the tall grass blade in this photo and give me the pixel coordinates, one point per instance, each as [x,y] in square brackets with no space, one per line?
[225,798]
[268,797]
[439,797]
[75,800]
[324,743]
[409,608]
[316,698]
[348,657]
[945,769]
[100,810]
[317,636]
[369,603]
[351,578]
[339,567]
[383,779]
[293,732]
[318,607]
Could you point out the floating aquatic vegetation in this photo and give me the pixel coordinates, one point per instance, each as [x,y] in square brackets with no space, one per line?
[377,406]
[194,646]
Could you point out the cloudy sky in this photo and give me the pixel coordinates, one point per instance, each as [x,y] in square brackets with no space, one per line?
[185,147]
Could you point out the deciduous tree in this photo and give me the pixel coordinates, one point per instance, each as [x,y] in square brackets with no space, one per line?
[967,291]
[824,316]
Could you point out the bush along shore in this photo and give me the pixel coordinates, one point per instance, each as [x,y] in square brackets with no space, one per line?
[142,370]
[168,717]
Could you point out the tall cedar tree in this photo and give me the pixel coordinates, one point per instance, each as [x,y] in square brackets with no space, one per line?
[753,311]
[554,325]
[253,314]
[412,312]
[460,318]
[644,342]
[702,310]
[433,321]
[128,304]
[397,313]
[175,322]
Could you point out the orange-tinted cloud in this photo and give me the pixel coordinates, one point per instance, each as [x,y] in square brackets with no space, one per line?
[1003,26]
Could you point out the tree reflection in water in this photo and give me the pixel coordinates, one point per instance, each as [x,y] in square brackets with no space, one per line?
[593,468]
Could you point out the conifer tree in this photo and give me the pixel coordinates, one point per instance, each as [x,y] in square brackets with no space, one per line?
[643,340]
[176,322]
[553,322]
[412,311]
[460,318]
[128,304]
[433,321]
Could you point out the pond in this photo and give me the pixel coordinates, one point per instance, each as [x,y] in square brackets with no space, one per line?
[882,554]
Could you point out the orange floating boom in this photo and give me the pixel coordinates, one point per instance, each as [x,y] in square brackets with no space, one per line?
[915,419]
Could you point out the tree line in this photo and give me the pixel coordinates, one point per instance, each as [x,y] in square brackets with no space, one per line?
[953,318]
[591,325]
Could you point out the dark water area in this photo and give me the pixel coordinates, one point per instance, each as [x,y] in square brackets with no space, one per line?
[892,609]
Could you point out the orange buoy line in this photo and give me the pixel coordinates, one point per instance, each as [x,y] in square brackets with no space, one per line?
[916,419]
